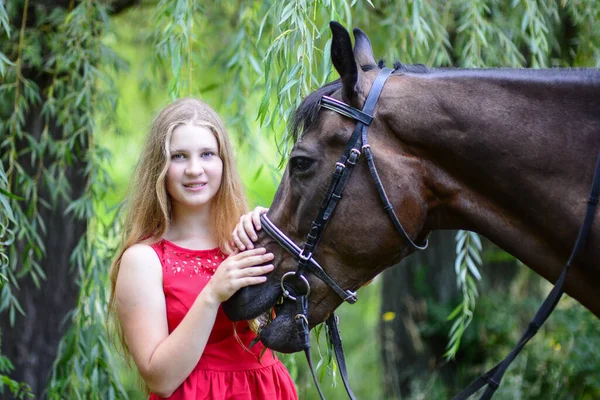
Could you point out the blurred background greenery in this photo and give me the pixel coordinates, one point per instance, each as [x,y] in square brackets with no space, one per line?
[80,82]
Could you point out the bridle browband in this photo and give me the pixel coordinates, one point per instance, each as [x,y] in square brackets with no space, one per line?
[357,145]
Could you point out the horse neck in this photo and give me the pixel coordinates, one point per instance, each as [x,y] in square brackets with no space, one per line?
[499,148]
[480,114]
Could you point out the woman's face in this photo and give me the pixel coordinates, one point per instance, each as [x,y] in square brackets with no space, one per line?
[195,168]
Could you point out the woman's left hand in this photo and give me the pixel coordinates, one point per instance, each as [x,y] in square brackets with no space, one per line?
[244,233]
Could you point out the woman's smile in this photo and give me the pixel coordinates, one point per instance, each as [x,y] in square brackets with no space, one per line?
[195,186]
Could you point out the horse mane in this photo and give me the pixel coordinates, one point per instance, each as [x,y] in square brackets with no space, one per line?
[308,110]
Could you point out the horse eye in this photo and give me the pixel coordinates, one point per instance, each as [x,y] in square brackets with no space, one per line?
[300,164]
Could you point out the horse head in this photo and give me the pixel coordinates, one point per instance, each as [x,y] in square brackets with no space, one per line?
[360,240]
[507,153]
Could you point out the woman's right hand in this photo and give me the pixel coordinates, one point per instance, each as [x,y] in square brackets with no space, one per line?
[245,232]
[238,270]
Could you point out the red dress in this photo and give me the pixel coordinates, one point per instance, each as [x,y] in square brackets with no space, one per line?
[226,370]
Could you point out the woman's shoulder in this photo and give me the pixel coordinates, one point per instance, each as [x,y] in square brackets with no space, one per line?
[140,269]
[140,254]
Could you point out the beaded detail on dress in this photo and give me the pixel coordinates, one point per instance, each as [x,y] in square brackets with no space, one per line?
[187,262]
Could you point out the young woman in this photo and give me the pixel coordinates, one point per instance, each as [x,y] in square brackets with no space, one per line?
[176,266]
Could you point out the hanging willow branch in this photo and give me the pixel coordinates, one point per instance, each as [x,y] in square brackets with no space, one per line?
[84,355]
[174,40]
[297,60]
[76,91]
[466,266]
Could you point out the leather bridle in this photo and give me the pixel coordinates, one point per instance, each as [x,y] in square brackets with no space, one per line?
[357,145]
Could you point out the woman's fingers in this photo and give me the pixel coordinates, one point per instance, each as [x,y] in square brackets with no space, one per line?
[258,271]
[231,248]
[254,275]
[242,230]
[249,253]
[258,211]
[248,231]
[243,269]
[236,240]
[255,280]
[249,258]
[240,235]
[252,260]
[244,235]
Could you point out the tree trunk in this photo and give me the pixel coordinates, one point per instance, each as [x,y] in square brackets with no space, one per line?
[426,276]
[32,343]
[429,273]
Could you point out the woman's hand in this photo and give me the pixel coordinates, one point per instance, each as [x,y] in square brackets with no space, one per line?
[245,231]
[239,270]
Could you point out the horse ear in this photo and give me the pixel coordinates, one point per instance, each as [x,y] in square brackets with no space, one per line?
[363,51]
[343,60]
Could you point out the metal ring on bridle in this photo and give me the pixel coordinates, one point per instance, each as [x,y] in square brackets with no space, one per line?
[286,293]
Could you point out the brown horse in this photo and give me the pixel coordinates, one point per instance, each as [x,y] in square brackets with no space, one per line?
[507,153]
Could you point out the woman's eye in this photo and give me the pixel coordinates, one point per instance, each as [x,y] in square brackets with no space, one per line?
[177,156]
[207,154]
[300,164]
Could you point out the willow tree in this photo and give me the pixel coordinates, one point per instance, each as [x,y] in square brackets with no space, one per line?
[51,179]
[54,90]
[251,60]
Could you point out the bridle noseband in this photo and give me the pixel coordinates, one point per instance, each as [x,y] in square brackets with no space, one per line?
[357,145]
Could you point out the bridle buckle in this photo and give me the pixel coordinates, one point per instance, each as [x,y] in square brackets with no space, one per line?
[305,257]
[351,298]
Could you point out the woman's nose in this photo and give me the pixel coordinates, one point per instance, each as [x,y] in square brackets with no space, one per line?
[194,167]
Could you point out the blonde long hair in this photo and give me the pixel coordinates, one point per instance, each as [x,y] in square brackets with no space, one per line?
[147,209]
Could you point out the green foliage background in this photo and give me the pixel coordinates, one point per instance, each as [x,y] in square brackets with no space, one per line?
[254,62]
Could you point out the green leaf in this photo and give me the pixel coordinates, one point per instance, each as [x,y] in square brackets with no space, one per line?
[4,21]
[473,269]
[454,312]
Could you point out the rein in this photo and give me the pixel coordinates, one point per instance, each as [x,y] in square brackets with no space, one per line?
[492,378]
[357,145]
